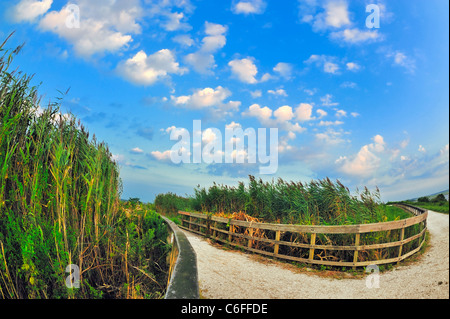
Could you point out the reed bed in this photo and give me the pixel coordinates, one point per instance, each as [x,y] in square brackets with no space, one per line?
[59,205]
[320,202]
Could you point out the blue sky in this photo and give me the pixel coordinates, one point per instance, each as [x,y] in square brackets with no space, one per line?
[367,106]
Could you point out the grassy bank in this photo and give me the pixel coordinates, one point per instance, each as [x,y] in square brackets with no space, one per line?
[59,206]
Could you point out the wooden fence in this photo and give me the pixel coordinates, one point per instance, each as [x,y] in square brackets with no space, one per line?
[183,274]
[224,230]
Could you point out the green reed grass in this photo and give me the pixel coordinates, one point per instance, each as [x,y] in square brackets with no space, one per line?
[59,205]
[315,203]
[321,202]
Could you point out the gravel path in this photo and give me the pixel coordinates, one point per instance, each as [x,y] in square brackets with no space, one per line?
[234,275]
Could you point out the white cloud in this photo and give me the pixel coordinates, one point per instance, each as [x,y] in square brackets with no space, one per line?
[422,149]
[284,114]
[304,112]
[325,15]
[233,125]
[366,162]
[249,7]
[327,63]
[143,69]
[327,100]
[255,94]
[330,67]
[279,92]
[321,113]
[245,70]
[281,117]
[174,22]
[162,156]
[136,150]
[356,36]
[266,77]
[214,100]
[29,10]
[203,98]
[331,137]
[330,123]
[262,114]
[203,60]
[337,14]
[341,113]
[352,66]
[349,85]
[215,39]
[184,39]
[284,69]
[401,59]
[103,27]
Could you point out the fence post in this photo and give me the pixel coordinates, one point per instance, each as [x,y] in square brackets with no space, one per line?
[214,231]
[400,249]
[208,226]
[355,253]
[230,230]
[311,249]
[277,238]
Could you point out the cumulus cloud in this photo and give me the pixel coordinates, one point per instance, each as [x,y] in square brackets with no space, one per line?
[203,60]
[280,118]
[329,64]
[304,112]
[356,36]
[214,100]
[352,66]
[174,22]
[263,114]
[29,10]
[284,70]
[324,15]
[245,70]
[401,59]
[331,136]
[136,150]
[203,98]
[279,92]
[366,162]
[249,7]
[334,17]
[143,69]
[336,14]
[327,100]
[103,26]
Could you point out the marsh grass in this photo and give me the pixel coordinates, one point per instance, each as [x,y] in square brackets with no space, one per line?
[59,205]
[320,202]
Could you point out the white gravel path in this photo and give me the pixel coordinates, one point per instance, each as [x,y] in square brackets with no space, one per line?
[234,275]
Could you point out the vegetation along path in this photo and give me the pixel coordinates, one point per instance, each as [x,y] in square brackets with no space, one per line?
[231,274]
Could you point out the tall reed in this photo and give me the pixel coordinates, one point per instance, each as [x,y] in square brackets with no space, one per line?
[59,205]
[315,203]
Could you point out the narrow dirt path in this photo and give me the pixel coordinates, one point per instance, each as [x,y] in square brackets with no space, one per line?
[229,274]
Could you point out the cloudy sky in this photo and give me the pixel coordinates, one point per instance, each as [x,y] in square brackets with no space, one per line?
[367,106]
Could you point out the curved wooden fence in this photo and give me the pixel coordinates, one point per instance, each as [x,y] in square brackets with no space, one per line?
[222,230]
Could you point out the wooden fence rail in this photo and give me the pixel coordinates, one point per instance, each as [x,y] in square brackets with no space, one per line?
[223,230]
